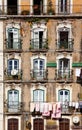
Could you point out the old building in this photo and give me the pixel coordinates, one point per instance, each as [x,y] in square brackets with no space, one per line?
[41,65]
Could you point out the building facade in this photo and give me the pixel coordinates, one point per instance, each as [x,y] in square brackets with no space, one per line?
[41,65]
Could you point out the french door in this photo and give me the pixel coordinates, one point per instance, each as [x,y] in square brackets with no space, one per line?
[13,38]
[63,6]
[13,100]
[38,39]
[38,68]
[13,64]
[64,98]
[64,67]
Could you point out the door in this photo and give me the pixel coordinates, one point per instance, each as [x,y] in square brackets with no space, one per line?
[63,6]
[64,124]
[64,39]
[13,100]
[38,124]
[13,64]
[38,7]
[13,38]
[12,124]
[38,68]
[64,68]
[12,7]
[38,39]
[64,98]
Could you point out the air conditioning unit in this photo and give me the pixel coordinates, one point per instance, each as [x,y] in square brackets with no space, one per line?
[76,119]
[14,72]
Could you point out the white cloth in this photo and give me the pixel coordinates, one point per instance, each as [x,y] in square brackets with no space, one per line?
[32,106]
[77,72]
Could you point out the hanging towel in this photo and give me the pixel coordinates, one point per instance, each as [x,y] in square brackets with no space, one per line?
[41,107]
[58,110]
[50,106]
[77,72]
[54,110]
[46,111]
[76,105]
[37,107]
[32,106]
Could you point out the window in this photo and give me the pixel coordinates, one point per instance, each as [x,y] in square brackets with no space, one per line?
[13,100]
[38,68]
[13,38]
[13,64]
[64,6]
[64,67]
[38,36]
[12,7]
[64,98]
[63,95]
[38,95]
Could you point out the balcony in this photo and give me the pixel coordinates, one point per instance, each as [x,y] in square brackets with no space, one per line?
[64,75]
[65,107]
[13,74]
[13,45]
[65,45]
[50,9]
[38,45]
[39,75]
[13,107]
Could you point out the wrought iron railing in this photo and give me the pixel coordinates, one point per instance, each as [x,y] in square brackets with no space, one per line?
[39,74]
[65,45]
[13,106]
[13,43]
[37,44]
[62,74]
[15,74]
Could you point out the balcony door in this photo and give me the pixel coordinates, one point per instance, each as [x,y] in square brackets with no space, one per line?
[13,38]
[38,39]
[13,100]
[38,68]
[63,39]
[64,68]
[38,7]
[64,124]
[38,124]
[12,7]
[13,66]
[64,98]
[12,124]
[63,6]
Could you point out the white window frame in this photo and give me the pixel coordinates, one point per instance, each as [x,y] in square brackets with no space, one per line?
[71,3]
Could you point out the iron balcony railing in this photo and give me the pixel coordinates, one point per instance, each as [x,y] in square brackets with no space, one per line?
[38,44]
[15,74]
[13,43]
[66,107]
[13,106]
[65,45]
[62,74]
[50,9]
[39,74]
